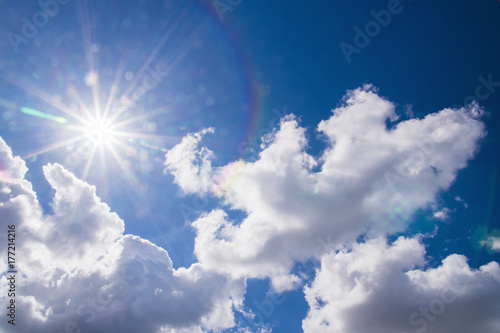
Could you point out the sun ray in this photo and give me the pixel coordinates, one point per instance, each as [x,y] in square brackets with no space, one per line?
[34,90]
[126,172]
[114,87]
[103,168]
[176,59]
[55,146]
[86,169]
[104,127]
[147,145]
[138,135]
[92,77]
[150,59]
[140,117]
[145,66]
[74,94]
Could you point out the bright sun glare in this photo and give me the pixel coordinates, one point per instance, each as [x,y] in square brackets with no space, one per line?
[104,128]
[99,131]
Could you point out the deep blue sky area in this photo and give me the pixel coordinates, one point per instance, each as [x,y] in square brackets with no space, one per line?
[230,72]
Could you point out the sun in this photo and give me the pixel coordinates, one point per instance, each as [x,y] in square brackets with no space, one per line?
[97,135]
[99,131]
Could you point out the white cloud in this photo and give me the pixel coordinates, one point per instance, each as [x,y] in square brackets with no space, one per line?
[369,178]
[185,160]
[493,243]
[459,199]
[80,270]
[378,288]
[76,269]
[443,214]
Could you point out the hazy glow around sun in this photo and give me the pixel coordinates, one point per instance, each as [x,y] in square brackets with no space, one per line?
[99,131]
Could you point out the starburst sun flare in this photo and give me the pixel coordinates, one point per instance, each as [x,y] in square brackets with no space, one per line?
[99,131]
[81,135]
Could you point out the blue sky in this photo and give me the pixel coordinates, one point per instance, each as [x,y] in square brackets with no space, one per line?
[253,166]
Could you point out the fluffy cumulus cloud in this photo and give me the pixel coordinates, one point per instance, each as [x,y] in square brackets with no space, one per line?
[80,273]
[378,288]
[186,160]
[370,177]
